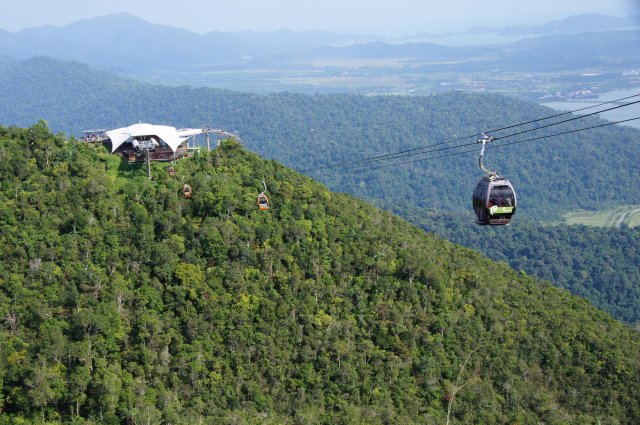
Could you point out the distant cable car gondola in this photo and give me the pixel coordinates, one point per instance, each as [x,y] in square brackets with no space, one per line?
[263,201]
[494,200]
[186,191]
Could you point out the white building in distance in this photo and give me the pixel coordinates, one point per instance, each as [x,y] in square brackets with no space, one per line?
[161,141]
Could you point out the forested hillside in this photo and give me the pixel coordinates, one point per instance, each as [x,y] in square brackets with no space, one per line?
[592,169]
[123,302]
[306,132]
[599,264]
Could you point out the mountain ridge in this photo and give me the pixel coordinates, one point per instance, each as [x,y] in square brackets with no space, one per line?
[585,22]
[125,42]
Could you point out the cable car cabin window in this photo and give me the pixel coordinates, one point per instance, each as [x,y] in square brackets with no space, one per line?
[501,196]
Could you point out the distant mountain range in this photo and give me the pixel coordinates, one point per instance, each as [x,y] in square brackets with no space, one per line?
[588,45]
[573,24]
[128,42]
[130,45]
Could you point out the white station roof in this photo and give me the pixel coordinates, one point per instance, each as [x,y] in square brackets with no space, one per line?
[172,137]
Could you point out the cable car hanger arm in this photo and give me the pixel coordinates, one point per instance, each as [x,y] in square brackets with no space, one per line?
[485,139]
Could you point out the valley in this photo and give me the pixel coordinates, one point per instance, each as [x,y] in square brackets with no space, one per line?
[411,76]
[624,215]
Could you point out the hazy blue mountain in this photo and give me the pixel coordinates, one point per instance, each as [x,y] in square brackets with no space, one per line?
[553,51]
[132,45]
[573,24]
[5,36]
[129,42]
[5,64]
[570,51]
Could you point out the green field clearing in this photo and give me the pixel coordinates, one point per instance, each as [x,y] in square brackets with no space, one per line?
[625,214]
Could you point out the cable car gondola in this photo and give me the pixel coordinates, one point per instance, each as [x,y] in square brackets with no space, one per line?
[186,191]
[263,201]
[494,199]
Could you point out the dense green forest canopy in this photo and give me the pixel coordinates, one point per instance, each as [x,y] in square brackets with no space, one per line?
[555,175]
[123,302]
[592,169]
[599,264]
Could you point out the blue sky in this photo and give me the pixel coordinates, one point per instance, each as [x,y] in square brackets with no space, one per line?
[384,17]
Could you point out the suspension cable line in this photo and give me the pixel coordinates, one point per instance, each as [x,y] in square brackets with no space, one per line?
[422,149]
[567,120]
[565,113]
[395,164]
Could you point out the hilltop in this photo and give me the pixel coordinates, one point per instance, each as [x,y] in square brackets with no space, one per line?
[125,302]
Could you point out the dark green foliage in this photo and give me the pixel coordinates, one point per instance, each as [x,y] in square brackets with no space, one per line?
[599,264]
[552,176]
[591,170]
[123,302]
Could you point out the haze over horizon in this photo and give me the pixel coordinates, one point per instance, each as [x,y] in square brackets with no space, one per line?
[358,16]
